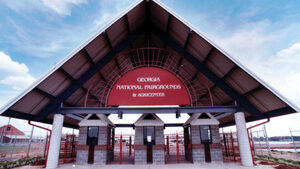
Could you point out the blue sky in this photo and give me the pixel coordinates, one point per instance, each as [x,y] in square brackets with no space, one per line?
[262,35]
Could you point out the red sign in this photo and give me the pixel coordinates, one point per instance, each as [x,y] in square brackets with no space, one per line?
[148,86]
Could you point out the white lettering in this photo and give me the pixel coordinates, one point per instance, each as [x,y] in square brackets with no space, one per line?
[149,87]
[150,95]
[129,87]
[148,79]
[162,87]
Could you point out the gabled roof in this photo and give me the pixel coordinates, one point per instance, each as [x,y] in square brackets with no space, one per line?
[11,130]
[101,121]
[194,120]
[144,121]
[142,24]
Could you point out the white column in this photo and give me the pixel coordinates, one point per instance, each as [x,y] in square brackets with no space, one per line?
[243,139]
[53,155]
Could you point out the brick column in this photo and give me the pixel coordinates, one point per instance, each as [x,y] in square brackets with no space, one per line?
[215,147]
[82,149]
[100,155]
[158,149]
[197,147]
[140,150]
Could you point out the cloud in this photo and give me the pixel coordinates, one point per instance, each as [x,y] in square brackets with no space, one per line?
[108,10]
[256,45]
[20,6]
[283,71]
[105,17]
[251,47]
[290,55]
[13,73]
[7,65]
[45,40]
[62,7]
[250,41]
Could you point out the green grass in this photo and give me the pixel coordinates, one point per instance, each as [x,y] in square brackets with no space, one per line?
[20,162]
[279,160]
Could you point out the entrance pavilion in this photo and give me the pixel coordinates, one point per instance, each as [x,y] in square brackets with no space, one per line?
[148,60]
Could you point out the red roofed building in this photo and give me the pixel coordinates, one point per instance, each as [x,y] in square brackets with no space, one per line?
[11,130]
[8,133]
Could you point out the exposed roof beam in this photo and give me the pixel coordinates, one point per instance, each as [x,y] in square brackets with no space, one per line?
[201,97]
[93,63]
[253,90]
[174,124]
[208,55]
[259,87]
[75,116]
[103,78]
[188,39]
[76,84]
[166,125]
[20,115]
[127,24]
[66,74]
[125,125]
[88,56]
[168,27]
[269,114]
[212,88]
[147,10]
[147,22]
[225,76]
[118,65]
[142,110]
[72,79]
[194,77]
[42,92]
[86,91]
[108,41]
[178,65]
[209,74]
[229,72]
[132,61]
[168,23]
[128,28]
[223,115]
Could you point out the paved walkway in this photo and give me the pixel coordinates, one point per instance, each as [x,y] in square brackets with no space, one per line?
[167,166]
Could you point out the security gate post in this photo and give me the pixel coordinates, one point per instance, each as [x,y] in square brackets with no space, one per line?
[232,145]
[130,145]
[121,149]
[177,149]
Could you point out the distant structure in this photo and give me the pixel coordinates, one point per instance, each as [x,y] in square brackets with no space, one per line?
[10,134]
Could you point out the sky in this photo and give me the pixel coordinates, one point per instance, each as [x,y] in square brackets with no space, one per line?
[262,35]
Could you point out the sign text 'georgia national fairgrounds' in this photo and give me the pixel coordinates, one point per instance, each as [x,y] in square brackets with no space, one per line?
[148,86]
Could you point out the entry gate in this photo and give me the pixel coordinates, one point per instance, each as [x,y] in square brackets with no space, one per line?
[122,152]
[230,147]
[177,149]
[67,149]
